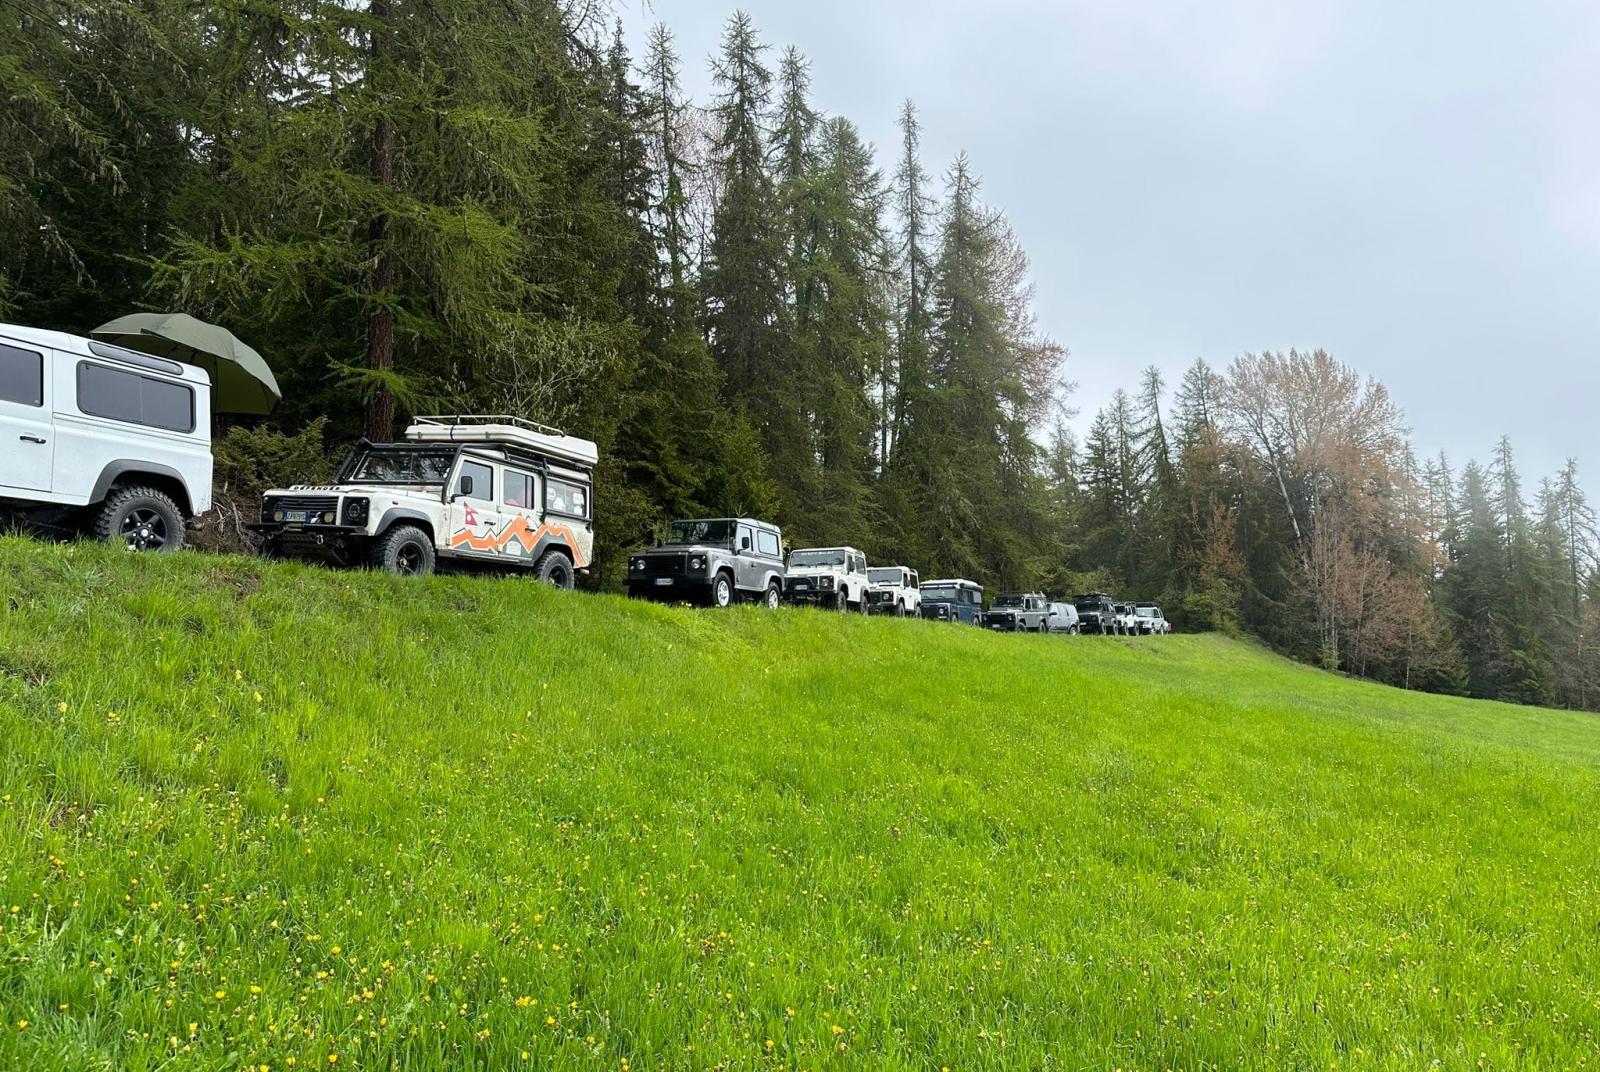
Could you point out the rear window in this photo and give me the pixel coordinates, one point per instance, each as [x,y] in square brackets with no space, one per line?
[129,397]
[562,497]
[21,376]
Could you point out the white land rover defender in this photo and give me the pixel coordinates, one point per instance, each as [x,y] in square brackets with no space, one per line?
[99,438]
[894,590]
[828,577]
[487,491]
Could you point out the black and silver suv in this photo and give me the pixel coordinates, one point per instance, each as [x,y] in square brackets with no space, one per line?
[1018,612]
[1096,614]
[713,561]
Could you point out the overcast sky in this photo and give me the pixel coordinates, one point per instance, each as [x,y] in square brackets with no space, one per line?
[1414,187]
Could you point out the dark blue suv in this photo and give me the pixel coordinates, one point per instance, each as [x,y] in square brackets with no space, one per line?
[953,601]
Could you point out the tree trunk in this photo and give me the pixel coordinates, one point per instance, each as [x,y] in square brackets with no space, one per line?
[380,324]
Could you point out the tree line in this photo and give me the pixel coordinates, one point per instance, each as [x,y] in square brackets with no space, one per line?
[492,206]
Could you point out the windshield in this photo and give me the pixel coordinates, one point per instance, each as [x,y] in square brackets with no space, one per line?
[719,532]
[368,466]
[1008,601]
[1089,606]
[884,576]
[1147,612]
[943,593]
[816,558]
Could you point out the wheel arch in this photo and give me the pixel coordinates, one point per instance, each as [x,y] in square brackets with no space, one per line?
[130,473]
[398,514]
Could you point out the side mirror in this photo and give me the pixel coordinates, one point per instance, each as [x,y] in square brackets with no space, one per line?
[463,487]
[744,544]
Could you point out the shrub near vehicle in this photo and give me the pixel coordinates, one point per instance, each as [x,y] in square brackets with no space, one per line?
[832,577]
[102,439]
[893,590]
[711,560]
[488,492]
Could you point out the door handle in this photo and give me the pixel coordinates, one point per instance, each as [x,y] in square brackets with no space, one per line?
[31,438]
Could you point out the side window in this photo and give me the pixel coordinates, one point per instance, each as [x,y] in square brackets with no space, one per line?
[482,478]
[21,376]
[767,543]
[914,582]
[564,497]
[746,538]
[127,396]
[518,491]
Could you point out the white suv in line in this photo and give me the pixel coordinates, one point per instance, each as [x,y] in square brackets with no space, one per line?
[894,590]
[103,439]
[833,577]
[1150,620]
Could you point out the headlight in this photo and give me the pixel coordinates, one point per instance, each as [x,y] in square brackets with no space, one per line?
[638,564]
[355,510]
[827,582]
[697,563]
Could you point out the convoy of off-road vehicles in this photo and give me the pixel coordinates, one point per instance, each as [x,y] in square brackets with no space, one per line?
[117,442]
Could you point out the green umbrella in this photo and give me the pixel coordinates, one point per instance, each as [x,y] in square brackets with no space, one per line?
[241,382]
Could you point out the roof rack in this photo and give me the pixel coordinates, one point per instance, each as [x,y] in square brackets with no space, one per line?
[503,430]
[455,419]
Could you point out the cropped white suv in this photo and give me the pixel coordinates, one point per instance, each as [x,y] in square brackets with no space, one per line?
[828,577]
[894,590]
[99,438]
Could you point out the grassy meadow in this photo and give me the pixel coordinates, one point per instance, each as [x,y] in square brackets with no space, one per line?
[274,817]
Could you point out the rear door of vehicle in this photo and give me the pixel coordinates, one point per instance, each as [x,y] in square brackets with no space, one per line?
[746,567]
[27,438]
[520,495]
[770,550]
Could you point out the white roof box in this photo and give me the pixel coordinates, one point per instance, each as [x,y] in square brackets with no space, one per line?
[504,431]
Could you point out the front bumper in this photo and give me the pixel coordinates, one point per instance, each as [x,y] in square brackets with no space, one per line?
[806,591]
[669,589]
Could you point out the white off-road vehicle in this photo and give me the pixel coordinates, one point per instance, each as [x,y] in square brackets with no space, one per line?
[1151,622]
[98,438]
[894,590]
[472,491]
[833,577]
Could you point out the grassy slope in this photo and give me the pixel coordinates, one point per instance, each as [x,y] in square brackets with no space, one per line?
[438,825]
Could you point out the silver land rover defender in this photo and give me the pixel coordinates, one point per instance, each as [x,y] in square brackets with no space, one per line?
[487,491]
[712,560]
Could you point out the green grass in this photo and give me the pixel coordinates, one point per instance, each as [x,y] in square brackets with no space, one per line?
[269,815]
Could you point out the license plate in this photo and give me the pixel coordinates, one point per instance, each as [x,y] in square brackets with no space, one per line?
[301,516]
[663,581]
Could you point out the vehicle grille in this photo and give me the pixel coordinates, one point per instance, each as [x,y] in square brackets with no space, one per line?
[664,566]
[880,597]
[317,503]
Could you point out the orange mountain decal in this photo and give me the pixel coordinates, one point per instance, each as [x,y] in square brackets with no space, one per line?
[519,531]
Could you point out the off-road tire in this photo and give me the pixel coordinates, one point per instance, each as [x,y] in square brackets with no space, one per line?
[899,609]
[722,593]
[404,551]
[142,519]
[555,569]
[772,599]
[841,601]
[861,606]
